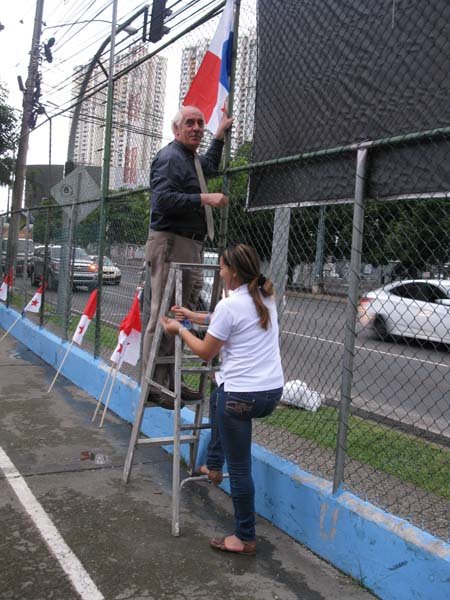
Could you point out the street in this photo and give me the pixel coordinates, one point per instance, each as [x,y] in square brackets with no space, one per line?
[406,381]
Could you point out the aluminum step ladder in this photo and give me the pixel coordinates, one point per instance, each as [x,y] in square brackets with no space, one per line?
[183,363]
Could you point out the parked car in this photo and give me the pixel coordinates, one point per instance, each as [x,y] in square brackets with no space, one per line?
[24,247]
[111,272]
[83,270]
[209,258]
[415,308]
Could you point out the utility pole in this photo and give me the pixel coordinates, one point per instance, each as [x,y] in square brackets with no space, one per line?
[27,105]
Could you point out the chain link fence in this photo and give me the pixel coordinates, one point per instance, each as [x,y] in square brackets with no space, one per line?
[363,287]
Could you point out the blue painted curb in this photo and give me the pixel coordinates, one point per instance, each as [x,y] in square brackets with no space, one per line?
[386,554]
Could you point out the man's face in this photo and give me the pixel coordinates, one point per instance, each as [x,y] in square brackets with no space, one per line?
[191,129]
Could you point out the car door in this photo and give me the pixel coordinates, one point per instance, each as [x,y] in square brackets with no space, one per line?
[408,305]
[434,317]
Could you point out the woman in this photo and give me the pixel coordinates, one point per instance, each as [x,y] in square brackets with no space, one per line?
[244,328]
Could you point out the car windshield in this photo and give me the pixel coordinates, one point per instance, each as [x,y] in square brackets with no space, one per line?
[107,261]
[78,253]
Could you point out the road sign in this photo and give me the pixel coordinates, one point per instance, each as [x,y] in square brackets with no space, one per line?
[78,186]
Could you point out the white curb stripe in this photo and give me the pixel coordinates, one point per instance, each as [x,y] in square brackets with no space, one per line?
[374,350]
[79,578]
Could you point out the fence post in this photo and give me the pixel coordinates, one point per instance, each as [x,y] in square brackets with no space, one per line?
[105,176]
[350,322]
[280,247]
[223,226]
[317,285]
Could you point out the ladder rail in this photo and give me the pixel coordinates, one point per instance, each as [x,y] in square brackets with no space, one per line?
[174,287]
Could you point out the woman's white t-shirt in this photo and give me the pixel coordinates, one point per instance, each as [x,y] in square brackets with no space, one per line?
[251,359]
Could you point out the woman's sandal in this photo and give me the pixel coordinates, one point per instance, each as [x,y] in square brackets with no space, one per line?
[249,548]
[214,477]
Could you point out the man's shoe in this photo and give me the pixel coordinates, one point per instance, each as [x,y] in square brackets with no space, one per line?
[190,395]
[162,401]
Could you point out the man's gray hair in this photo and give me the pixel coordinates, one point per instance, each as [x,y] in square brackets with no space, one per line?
[176,121]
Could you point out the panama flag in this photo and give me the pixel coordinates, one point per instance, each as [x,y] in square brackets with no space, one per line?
[34,305]
[129,345]
[211,85]
[7,283]
[86,318]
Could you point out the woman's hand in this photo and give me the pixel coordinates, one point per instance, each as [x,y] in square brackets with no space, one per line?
[171,326]
[182,313]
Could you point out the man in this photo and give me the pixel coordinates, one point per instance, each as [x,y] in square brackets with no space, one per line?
[178,224]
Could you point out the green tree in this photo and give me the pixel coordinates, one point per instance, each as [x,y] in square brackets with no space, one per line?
[127,221]
[254,228]
[51,218]
[8,138]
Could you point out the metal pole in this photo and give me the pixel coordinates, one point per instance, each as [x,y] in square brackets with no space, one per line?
[224,212]
[350,325]
[317,287]
[1,246]
[19,177]
[46,234]
[280,250]
[105,175]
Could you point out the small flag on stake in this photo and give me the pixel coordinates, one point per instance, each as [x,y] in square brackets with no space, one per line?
[129,344]
[86,318]
[34,305]
[7,283]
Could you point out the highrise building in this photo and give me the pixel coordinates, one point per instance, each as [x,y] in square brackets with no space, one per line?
[138,113]
[245,91]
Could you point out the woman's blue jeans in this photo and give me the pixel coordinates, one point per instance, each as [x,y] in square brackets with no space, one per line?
[231,415]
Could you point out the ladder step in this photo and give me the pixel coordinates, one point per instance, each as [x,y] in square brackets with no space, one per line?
[199,369]
[193,428]
[165,360]
[184,439]
[160,388]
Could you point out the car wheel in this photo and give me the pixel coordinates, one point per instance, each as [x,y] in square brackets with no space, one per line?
[381,329]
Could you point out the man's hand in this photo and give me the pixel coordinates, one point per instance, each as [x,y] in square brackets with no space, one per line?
[215,200]
[171,326]
[224,125]
[182,313]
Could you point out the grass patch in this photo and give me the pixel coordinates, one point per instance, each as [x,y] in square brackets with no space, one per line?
[405,456]
[108,334]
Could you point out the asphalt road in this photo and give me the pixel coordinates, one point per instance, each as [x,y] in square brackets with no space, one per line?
[405,381]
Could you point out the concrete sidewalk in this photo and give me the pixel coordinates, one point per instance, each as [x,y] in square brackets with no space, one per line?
[120,533]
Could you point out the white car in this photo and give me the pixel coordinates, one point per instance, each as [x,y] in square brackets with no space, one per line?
[209,258]
[111,272]
[416,308]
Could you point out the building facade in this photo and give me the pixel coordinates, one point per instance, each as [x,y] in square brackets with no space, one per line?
[138,114]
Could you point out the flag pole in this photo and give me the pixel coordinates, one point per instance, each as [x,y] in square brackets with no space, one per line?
[102,394]
[109,393]
[224,212]
[8,330]
[60,367]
